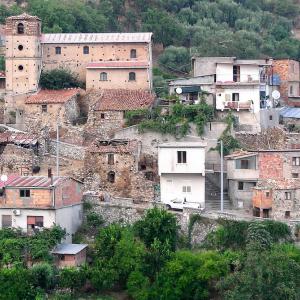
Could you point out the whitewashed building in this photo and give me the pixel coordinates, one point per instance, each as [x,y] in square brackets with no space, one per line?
[181,167]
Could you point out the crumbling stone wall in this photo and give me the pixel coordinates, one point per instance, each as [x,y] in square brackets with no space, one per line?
[66,150]
[16,159]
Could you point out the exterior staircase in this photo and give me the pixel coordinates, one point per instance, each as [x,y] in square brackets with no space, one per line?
[213,195]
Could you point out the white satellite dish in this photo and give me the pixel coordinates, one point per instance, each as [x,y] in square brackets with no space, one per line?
[275,95]
[178,90]
[3,178]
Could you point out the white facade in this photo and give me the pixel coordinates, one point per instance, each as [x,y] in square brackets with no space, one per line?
[181,168]
[68,218]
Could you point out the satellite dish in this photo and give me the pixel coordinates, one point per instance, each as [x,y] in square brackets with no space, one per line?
[275,95]
[178,90]
[3,178]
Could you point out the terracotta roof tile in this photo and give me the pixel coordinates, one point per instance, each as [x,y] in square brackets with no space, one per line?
[120,99]
[118,64]
[52,96]
[113,146]
[35,181]
[18,138]
[23,16]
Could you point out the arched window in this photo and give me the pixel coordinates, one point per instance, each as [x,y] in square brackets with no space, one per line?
[111,176]
[103,76]
[20,28]
[86,50]
[132,76]
[57,50]
[133,53]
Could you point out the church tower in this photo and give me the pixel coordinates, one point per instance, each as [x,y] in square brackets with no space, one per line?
[23,59]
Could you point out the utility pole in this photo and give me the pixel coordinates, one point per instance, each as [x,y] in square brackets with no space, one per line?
[222,176]
[57,148]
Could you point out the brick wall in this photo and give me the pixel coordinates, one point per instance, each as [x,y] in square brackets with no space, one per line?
[270,165]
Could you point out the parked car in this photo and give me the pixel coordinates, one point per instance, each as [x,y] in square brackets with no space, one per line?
[179,204]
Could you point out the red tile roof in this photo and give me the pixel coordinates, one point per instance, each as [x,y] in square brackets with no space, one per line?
[52,96]
[120,99]
[114,146]
[118,64]
[35,182]
[23,16]
[18,138]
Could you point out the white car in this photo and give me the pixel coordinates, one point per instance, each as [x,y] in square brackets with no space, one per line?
[181,203]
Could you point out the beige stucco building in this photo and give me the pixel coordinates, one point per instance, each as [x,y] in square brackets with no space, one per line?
[101,60]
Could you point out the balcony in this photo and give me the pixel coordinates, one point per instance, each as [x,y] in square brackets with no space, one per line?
[238,105]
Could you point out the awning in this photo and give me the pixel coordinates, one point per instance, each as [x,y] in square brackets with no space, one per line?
[191,89]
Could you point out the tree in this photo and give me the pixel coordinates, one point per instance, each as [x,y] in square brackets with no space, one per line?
[72,278]
[43,276]
[58,79]
[157,224]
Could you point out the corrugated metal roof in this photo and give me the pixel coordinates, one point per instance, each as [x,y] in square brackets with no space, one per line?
[69,248]
[95,38]
[18,138]
[10,178]
[290,112]
[117,64]
[35,181]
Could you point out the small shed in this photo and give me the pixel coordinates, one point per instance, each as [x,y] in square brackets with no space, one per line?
[70,255]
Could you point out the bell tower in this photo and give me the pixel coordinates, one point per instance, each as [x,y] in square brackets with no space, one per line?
[23,58]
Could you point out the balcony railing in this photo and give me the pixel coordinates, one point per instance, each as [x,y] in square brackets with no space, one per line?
[238,105]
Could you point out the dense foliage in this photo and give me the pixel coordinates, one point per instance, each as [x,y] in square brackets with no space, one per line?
[176,122]
[149,261]
[57,79]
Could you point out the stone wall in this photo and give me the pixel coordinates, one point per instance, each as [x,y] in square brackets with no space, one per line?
[66,150]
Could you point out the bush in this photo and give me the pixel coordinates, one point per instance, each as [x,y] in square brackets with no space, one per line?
[72,278]
[43,276]
[59,79]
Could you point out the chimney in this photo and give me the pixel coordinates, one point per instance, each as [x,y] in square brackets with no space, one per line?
[50,175]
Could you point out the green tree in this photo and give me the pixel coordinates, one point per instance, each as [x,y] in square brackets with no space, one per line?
[72,278]
[157,224]
[43,276]
[58,79]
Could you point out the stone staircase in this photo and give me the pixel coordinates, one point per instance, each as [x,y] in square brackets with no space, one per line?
[213,195]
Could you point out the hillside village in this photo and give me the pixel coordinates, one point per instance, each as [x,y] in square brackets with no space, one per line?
[224,143]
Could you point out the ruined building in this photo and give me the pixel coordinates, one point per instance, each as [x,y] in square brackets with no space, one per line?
[122,170]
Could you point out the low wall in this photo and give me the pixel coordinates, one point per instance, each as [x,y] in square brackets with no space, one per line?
[66,150]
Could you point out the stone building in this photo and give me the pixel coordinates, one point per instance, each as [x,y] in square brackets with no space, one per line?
[33,202]
[246,169]
[47,108]
[122,170]
[103,60]
[108,108]
[277,199]
[288,73]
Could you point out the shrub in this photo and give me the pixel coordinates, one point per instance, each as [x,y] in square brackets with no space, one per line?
[43,276]
[72,278]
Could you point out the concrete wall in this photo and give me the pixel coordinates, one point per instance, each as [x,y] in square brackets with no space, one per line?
[171,187]
[118,79]
[242,174]
[168,163]
[269,118]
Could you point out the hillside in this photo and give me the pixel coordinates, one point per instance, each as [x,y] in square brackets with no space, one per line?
[242,28]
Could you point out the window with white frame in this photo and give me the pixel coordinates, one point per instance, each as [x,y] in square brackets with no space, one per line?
[186,189]
[296,161]
[181,157]
[288,195]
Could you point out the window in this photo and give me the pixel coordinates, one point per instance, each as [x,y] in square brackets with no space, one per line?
[62,257]
[33,222]
[186,189]
[288,195]
[24,193]
[287,214]
[6,221]
[102,116]
[240,185]
[244,164]
[132,76]
[235,97]
[267,194]
[20,47]
[133,53]
[110,159]
[103,76]
[57,50]
[291,90]
[86,50]
[295,175]
[44,108]
[181,157]
[296,161]
[236,73]
[270,118]
[20,28]
[111,176]
[21,68]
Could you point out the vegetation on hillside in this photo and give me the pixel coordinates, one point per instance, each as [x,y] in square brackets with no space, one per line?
[152,259]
